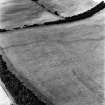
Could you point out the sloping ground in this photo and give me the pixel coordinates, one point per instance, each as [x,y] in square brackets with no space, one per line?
[15,13]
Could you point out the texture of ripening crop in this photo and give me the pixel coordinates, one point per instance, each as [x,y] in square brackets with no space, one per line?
[64,62]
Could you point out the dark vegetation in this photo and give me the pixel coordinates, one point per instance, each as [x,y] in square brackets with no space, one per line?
[18,91]
[66,20]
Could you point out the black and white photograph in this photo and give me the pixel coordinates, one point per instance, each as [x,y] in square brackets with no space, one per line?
[52,52]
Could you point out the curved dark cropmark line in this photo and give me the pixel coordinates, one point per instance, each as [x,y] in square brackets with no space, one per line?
[66,20]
